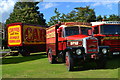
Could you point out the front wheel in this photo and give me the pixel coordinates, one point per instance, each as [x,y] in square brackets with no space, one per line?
[51,58]
[69,61]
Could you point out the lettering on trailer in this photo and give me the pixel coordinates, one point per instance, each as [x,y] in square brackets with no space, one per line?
[50,32]
[14,35]
[34,35]
[110,38]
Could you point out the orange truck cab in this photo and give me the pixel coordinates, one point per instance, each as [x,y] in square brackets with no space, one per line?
[108,35]
[26,38]
[73,43]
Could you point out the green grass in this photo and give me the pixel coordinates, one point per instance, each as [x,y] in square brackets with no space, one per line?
[37,66]
[5,50]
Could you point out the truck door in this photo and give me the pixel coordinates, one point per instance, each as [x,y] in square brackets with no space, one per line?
[61,39]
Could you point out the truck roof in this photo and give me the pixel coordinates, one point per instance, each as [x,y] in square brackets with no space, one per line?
[83,24]
[19,23]
[65,24]
[105,22]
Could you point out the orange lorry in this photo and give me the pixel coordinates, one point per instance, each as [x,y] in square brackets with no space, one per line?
[26,38]
[73,43]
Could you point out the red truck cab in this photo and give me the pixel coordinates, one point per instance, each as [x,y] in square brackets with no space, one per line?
[71,42]
[108,34]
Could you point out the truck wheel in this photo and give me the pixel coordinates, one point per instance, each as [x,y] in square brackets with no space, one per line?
[25,53]
[51,58]
[69,62]
[15,54]
[101,63]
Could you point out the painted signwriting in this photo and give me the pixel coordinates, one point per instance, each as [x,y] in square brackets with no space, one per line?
[14,35]
[34,35]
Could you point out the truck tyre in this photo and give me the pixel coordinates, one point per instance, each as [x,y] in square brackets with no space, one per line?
[24,53]
[15,54]
[51,58]
[101,63]
[69,62]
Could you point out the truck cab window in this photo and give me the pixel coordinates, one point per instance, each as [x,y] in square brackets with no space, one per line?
[72,30]
[84,30]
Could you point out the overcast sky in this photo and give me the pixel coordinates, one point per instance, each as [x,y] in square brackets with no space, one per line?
[47,7]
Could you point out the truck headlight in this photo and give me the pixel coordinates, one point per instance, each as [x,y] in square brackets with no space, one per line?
[78,51]
[104,50]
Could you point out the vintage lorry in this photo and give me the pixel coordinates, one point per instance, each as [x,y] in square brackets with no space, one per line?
[26,38]
[72,42]
[108,35]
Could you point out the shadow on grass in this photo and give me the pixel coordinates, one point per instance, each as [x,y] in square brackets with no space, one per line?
[112,63]
[19,59]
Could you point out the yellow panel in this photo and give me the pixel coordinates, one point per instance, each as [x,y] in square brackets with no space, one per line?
[14,35]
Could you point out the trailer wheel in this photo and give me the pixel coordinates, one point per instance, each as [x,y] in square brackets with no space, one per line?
[24,53]
[51,58]
[15,54]
[69,62]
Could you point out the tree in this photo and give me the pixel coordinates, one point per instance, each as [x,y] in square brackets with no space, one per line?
[114,17]
[85,14]
[99,18]
[80,14]
[105,18]
[26,12]
[54,19]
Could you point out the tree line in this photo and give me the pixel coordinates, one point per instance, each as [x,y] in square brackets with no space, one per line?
[27,12]
[80,14]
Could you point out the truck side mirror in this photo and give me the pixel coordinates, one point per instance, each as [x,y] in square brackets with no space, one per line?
[89,32]
[59,31]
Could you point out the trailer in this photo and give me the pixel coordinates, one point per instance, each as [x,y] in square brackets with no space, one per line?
[26,38]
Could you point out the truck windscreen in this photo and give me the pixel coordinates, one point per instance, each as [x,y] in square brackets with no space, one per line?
[110,29]
[73,30]
[84,30]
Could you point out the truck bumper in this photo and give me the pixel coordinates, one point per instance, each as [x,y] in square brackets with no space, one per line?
[86,58]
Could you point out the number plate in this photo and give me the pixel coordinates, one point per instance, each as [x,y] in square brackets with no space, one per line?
[116,53]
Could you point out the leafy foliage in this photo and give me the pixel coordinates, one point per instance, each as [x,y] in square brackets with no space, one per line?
[114,17]
[54,19]
[26,12]
[80,14]
[99,18]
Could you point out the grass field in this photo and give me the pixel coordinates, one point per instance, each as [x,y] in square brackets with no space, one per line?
[37,66]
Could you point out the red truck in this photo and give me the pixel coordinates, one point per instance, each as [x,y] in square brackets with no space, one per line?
[108,35]
[71,42]
[26,38]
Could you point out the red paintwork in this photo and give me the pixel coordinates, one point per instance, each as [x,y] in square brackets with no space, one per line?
[95,35]
[51,40]
[76,37]
[114,44]
[92,44]
[62,41]
[57,43]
